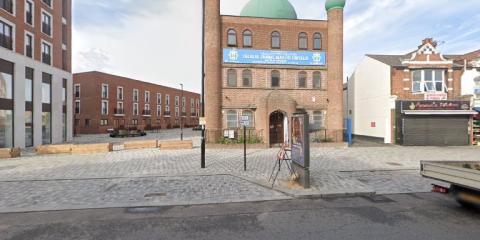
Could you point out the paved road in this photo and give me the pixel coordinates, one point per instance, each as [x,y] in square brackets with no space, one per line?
[402,217]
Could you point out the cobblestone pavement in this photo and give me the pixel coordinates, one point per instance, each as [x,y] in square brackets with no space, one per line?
[77,181]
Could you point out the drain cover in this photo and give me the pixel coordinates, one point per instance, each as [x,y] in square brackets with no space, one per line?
[150,195]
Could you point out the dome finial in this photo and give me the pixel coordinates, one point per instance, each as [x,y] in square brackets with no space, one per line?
[333,4]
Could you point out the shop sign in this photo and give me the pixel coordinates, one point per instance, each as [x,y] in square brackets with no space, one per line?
[434,105]
[436,96]
[268,57]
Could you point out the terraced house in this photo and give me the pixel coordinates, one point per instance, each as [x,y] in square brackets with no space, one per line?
[35,72]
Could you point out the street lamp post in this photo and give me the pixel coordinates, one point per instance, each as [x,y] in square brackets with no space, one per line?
[181,116]
[202,161]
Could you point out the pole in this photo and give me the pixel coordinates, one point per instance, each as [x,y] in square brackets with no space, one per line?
[244,147]
[202,161]
[181,116]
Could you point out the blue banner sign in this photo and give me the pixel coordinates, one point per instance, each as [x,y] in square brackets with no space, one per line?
[477,90]
[268,57]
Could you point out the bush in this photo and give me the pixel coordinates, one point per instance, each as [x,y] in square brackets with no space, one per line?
[239,140]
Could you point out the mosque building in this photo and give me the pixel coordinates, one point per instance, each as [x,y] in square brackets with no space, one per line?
[267,64]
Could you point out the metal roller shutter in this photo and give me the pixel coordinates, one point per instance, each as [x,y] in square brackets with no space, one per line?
[436,131]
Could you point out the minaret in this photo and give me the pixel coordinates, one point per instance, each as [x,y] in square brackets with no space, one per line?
[213,74]
[335,68]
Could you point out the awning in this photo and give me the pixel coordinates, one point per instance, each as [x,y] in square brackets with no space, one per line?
[440,112]
[477,109]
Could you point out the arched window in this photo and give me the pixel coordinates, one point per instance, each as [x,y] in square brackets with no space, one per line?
[251,118]
[247,78]
[275,40]
[275,79]
[232,78]
[317,80]
[232,38]
[302,79]
[232,119]
[317,41]
[302,41]
[247,38]
[318,120]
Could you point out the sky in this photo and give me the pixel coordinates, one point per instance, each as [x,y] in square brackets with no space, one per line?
[159,41]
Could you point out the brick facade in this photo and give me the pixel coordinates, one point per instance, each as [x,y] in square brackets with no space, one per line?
[261,98]
[91,98]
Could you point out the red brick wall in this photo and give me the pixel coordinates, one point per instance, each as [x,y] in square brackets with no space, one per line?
[91,99]
[55,39]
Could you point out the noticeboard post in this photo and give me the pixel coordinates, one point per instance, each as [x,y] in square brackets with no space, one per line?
[301,148]
[245,122]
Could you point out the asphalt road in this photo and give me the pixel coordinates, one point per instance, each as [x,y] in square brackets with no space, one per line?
[406,216]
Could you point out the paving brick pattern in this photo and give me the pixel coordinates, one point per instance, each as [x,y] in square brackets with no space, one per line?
[73,181]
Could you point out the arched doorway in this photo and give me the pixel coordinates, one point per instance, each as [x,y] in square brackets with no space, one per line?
[276,126]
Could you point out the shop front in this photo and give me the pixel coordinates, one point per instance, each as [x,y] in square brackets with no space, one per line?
[433,123]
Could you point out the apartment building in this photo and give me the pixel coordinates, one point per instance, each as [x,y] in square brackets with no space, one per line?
[104,102]
[35,72]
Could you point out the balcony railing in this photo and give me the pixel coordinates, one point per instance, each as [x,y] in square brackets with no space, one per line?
[146,112]
[119,111]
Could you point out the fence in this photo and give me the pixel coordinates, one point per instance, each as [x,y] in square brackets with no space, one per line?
[234,136]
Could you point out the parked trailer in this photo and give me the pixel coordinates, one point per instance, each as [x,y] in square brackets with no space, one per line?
[463,177]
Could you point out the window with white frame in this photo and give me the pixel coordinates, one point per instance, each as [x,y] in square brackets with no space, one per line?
[318,120]
[7,5]
[167,100]
[167,110]
[77,106]
[159,98]
[177,112]
[76,90]
[232,119]
[146,110]
[428,80]
[28,45]
[120,93]
[47,53]
[29,12]
[48,2]
[135,109]
[46,23]
[6,35]
[135,95]
[184,101]
[104,91]
[159,110]
[177,101]
[147,96]
[104,107]
[119,109]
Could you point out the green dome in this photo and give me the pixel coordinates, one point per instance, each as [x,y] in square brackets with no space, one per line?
[269,9]
[332,4]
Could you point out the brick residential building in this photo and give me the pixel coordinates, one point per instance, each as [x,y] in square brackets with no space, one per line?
[35,72]
[267,65]
[103,101]
[419,98]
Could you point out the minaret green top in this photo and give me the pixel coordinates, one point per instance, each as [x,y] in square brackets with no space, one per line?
[332,4]
[281,9]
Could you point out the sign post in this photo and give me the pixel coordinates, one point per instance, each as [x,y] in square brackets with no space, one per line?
[301,148]
[245,121]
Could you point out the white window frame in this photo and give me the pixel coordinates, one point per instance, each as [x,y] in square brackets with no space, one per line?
[33,12]
[147,96]
[51,23]
[14,9]
[167,99]
[120,104]
[177,112]
[159,110]
[108,90]
[135,93]
[423,82]
[13,33]
[135,107]
[251,121]
[120,89]
[228,121]
[102,112]
[79,90]
[177,101]
[50,6]
[27,33]
[167,109]
[159,98]
[79,107]
[51,52]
